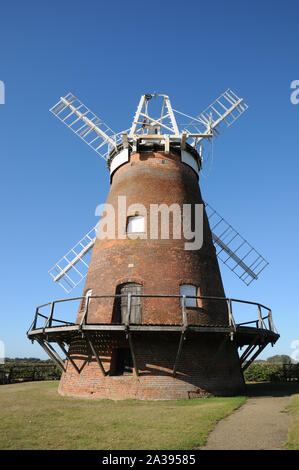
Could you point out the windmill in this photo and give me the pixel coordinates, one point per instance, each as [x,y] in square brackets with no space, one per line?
[232,249]
[154,294]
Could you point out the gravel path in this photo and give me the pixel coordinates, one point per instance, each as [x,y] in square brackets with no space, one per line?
[258,425]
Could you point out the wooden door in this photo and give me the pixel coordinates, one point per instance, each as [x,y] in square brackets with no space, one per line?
[136,302]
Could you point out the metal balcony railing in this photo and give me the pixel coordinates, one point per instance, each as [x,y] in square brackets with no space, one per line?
[262,321]
[47,332]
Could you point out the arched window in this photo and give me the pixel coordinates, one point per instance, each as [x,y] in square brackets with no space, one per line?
[189,289]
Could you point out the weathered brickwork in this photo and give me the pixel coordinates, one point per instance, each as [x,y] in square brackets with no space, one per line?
[208,363]
[159,265]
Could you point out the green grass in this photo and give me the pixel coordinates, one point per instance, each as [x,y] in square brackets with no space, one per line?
[293,435]
[34,416]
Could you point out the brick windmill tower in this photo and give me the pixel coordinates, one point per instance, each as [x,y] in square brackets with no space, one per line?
[153,321]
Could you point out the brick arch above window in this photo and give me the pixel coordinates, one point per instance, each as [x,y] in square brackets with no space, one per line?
[125,280]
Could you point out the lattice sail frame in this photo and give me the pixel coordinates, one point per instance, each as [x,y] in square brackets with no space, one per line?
[222,113]
[233,250]
[72,268]
[86,125]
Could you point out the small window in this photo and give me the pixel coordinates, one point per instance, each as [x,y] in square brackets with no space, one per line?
[189,289]
[135,224]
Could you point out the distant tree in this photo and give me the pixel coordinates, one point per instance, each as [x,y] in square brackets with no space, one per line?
[27,359]
[282,358]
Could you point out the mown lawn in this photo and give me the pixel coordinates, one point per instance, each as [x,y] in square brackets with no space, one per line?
[34,416]
[293,435]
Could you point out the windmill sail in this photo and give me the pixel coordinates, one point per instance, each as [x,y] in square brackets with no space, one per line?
[86,125]
[72,268]
[231,248]
[222,113]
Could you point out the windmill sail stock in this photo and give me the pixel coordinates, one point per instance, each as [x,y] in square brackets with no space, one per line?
[232,249]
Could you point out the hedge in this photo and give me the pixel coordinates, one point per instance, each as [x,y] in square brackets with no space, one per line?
[18,372]
[271,372]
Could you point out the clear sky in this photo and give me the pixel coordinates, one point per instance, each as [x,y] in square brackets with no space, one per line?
[108,54]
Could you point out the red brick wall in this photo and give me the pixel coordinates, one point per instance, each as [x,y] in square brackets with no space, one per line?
[208,365]
[160,265]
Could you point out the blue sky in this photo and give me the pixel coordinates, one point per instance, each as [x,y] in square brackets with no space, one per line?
[108,54]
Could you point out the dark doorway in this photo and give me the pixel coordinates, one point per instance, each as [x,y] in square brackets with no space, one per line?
[122,362]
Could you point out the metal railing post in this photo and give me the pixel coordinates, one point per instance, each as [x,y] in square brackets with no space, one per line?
[260,317]
[183,335]
[232,322]
[51,314]
[49,317]
[35,319]
[128,333]
[127,319]
[270,321]
[184,314]
[83,319]
[230,314]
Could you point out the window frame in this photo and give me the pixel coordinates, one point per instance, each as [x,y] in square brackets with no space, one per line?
[130,219]
[190,303]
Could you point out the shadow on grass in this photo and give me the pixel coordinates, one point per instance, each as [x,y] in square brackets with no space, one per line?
[272,389]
